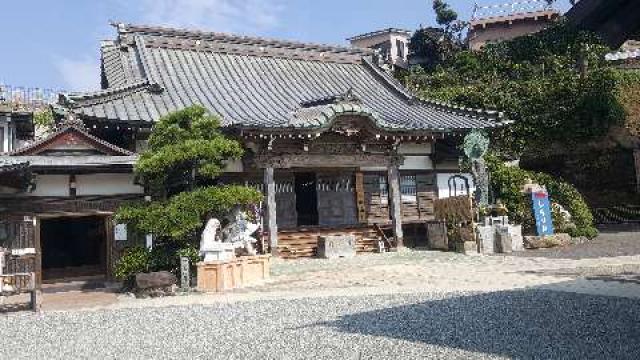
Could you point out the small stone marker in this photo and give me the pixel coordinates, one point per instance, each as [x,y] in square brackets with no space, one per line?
[331,247]
[185,273]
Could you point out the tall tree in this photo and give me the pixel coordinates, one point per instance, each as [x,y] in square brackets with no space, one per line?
[445,15]
[187,151]
[432,46]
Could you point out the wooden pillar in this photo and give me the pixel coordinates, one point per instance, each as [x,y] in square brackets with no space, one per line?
[38,247]
[396,204]
[110,239]
[636,157]
[272,226]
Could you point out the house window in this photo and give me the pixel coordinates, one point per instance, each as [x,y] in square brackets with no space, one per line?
[383,186]
[3,148]
[458,186]
[400,48]
[408,188]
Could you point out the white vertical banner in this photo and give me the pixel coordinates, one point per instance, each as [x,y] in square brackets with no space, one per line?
[120,232]
[149,241]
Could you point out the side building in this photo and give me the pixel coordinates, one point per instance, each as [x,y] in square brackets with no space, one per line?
[335,143]
[497,23]
[392,45]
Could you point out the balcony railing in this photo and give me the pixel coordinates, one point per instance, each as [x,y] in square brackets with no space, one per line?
[507,9]
[18,98]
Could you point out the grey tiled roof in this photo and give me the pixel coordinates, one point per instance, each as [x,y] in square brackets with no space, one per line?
[254,83]
[78,162]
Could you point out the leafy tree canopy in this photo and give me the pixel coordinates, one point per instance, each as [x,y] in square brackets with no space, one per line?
[555,85]
[186,144]
[186,151]
[432,46]
[445,15]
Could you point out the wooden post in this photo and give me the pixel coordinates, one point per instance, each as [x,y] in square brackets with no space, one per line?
[110,250]
[272,226]
[636,156]
[38,247]
[360,198]
[396,204]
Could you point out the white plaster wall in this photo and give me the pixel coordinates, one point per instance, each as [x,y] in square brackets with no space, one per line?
[106,184]
[443,184]
[417,163]
[415,149]
[51,185]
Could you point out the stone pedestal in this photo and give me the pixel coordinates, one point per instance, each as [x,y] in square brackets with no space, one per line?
[467,248]
[497,236]
[219,252]
[219,276]
[517,240]
[331,247]
[503,240]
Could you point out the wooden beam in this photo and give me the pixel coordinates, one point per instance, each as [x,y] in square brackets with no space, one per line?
[272,226]
[324,160]
[396,204]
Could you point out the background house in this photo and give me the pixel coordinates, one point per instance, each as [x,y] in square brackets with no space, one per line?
[392,44]
[496,23]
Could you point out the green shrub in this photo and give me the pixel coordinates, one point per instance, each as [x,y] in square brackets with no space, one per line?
[507,183]
[135,260]
[163,257]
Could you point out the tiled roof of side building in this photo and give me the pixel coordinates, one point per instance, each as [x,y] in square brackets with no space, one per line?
[380,32]
[253,83]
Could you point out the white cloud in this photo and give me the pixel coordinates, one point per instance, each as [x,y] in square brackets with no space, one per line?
[217,15]
[79,74]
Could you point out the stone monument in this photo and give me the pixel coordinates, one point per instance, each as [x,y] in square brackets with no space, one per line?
[211,247]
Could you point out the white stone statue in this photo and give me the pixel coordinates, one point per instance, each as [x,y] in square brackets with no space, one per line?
[239,232]
[210,247]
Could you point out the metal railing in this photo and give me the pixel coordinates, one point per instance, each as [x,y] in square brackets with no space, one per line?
[506,9]
[19,98]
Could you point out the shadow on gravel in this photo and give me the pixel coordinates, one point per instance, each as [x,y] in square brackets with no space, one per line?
[520,324]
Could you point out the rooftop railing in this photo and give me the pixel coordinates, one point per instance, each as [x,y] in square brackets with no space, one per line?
[507,9]
[19,98]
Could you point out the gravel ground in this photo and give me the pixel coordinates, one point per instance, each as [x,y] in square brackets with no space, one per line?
[609,244]
[511,324]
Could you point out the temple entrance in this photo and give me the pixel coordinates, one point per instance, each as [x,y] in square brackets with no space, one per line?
[306,198]
[73,247]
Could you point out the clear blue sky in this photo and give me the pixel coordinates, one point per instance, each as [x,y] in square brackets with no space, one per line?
[54,43]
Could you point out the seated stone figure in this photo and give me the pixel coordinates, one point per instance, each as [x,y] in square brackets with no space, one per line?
[239,232]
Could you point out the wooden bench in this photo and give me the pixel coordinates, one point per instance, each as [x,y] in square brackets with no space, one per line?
[19,283]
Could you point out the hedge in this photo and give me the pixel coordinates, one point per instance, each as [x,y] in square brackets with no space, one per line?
[507,183]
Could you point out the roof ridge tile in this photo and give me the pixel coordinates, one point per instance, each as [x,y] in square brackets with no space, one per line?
[186,34]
